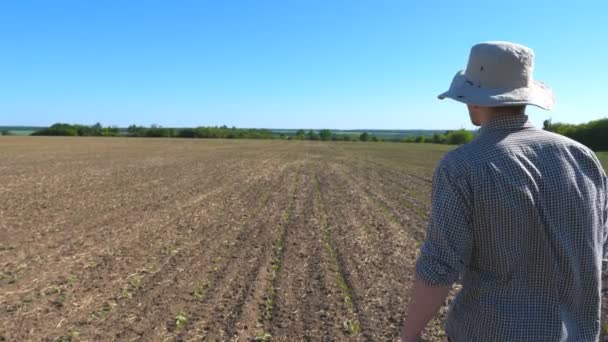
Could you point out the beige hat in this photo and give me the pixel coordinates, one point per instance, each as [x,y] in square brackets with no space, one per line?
[499,74]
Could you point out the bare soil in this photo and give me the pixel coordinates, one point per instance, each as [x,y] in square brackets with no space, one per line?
[213,240]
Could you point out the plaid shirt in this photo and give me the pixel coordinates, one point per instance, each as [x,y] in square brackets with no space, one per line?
[519,215]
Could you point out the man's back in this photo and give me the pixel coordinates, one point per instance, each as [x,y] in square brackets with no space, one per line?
[528,233]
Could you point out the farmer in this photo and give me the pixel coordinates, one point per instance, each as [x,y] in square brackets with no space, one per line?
[519,217]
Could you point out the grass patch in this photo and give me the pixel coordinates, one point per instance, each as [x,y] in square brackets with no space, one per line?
[603,156]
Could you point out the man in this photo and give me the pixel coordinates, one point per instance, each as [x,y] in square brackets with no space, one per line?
[519,216]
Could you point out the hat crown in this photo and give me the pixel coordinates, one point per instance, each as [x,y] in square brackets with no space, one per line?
[500,65]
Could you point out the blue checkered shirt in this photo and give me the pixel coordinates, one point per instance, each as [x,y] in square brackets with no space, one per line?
[519,216]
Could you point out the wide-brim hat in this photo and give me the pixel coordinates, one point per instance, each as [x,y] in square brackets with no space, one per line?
[499,74]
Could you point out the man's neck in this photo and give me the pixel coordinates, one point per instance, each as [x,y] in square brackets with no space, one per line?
[490,116]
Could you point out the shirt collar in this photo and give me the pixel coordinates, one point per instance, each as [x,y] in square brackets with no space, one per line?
[511,122]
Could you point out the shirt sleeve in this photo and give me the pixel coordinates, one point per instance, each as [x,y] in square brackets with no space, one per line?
[449,240]
[605,228]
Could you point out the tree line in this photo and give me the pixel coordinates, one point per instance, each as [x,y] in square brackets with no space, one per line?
[327,135]
[593,134]
[221,132]
[62,129]
[224,132]
[154,131]
[458,137]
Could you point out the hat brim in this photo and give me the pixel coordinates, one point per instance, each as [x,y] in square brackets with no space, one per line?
[537,94]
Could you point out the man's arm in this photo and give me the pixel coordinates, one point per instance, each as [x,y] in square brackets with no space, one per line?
[445,253]
[605,251]
[423,306]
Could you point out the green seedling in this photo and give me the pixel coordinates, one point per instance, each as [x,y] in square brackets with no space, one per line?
[200,291]
[263,337]
[180,320]
[70,336]
[134,284]
[352,326]
[102,313]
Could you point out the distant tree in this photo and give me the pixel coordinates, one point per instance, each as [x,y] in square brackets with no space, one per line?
[6,132]
[186,133]
[437,139]
[59,129]
[593,134]
[311,135]
[300,134]
[135,131]
[325,134]
[459,137]
[96,130]
[110,131]
[364,136]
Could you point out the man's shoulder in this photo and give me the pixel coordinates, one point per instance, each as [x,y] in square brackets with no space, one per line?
[563,140]
[459,160]
[572,145]
[483,149]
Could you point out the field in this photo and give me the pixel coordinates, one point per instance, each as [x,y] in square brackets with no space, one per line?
[603,156]
[168,239]
[200,239]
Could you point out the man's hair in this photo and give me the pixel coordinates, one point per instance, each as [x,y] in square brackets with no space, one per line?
[519,109]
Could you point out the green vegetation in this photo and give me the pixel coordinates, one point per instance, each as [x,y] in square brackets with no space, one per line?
[354,135]
[180,320]
[103,312]
[18,130]
[134,284]
[603,156]
[323,135]
[224,132]
[70,336]
[155,131]
[263,337]
[200,291]
[593,134]
[458,137]
[61,129]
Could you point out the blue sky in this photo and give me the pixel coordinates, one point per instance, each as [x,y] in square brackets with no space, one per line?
[283,64]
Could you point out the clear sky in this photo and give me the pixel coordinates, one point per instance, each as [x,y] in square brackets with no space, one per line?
[286,63]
